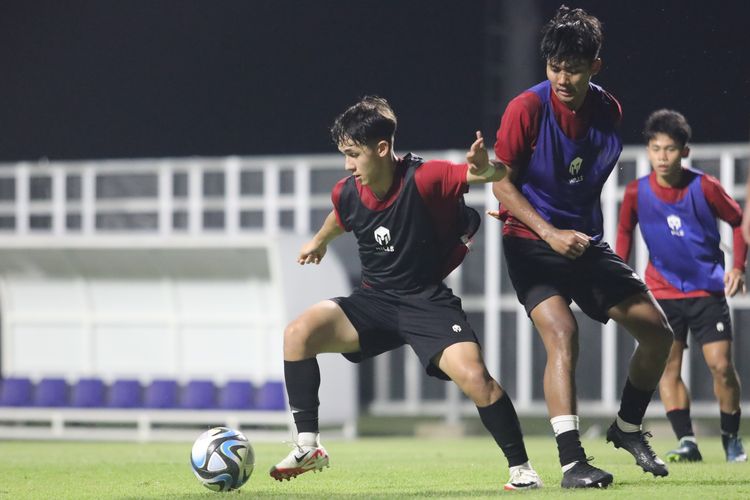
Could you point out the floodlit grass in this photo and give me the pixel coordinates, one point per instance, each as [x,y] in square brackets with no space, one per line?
[366,468]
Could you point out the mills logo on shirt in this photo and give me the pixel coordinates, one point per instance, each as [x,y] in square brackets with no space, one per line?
[575,169]
[383,238]
[675,225]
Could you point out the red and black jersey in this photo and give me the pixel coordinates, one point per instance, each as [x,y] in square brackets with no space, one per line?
[407,239]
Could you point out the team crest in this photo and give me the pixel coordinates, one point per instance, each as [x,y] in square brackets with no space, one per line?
[574,169]
[675,225]
[383,238]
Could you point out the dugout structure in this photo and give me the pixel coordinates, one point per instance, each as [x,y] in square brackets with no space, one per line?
[149,308]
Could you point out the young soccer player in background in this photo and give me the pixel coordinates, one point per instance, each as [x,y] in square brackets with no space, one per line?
[677,208]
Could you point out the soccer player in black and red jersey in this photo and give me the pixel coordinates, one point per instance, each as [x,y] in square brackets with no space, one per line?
[676,208]
[559,141]
[411,226]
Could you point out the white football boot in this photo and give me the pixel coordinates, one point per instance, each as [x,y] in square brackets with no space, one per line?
[301,459]
[523,477]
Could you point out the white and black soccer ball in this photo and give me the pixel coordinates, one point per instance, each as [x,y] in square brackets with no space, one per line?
[222,459]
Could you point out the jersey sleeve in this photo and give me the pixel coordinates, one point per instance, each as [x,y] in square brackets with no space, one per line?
[439,179]
[335,199]
[725,208]
[628,221]
[519,129]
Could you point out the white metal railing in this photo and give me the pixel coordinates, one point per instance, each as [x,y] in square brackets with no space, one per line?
[268,194]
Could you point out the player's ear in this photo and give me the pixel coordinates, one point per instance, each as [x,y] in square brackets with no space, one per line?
[596,66]
[685,152]
[383,148]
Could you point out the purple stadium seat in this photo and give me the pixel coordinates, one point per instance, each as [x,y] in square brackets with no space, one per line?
[271,397]
[237,395]
[199,394]
[88,393]
[125,394]
[51,392]
[16,391]
[162,394]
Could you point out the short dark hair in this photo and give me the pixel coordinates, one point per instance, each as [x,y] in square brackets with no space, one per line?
[371,119]
[572,34]
[669,122]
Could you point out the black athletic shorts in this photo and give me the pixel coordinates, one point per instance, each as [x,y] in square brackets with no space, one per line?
[429,322]
[707,318]
[596,281]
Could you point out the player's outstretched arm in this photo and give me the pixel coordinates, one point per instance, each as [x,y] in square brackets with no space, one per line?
[746,216]
[566,242]
[481,169]
[314,250]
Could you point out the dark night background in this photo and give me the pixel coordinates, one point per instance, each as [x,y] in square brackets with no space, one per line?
[107,79]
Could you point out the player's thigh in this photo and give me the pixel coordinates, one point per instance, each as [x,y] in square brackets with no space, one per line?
[643,318]
[324,328]
[555,323]
[718,354]
[673,368]
[461,361]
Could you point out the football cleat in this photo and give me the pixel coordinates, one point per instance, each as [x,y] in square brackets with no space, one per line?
[687,451]
[585,475]
[733,448]
[523,477]
[300,460]
[636,444]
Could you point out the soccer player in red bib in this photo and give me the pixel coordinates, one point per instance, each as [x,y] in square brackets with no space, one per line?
[411,225]
[677,210]
[559,142]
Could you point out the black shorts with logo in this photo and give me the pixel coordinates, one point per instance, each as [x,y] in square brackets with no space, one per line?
[707,318]
[596,281]
[428,321]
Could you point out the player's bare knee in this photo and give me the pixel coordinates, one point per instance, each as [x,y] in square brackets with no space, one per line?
[475,381]
[722,370]
[296,338]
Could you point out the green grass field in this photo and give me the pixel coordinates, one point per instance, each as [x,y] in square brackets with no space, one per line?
[365,468]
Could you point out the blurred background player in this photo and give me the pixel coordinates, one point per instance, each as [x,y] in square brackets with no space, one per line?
[559,142]
[409,219]
[677,208]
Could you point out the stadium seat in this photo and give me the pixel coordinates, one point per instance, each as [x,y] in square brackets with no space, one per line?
[16,391]
[88,393]
[161,394]
[199,394]
[51,392]
[125,394]
[271,396]
[237,395]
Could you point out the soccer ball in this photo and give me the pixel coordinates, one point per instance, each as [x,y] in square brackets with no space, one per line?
[222,459]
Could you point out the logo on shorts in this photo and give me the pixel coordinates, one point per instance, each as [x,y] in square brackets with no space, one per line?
[383,237]
[457,328]
[575,169]
[719,326]
[675,225]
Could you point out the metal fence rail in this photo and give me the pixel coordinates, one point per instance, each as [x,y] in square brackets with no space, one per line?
[238,195]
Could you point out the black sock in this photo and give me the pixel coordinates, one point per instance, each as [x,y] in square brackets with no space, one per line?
[302,384]
[730,422]
[501,420]
[634,403]
[569,447]
[682,425]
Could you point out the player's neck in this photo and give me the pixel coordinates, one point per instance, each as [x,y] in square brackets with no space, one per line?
[670,180]
[382,186]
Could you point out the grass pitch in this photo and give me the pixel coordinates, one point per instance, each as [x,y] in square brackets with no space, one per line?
[365,468]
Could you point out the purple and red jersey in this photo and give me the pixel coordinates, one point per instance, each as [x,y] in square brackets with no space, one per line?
[406,240]
[561,157]
[679,227]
